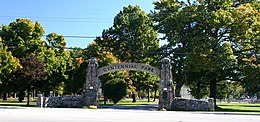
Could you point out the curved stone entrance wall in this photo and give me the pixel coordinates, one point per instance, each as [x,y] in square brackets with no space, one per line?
[92,85]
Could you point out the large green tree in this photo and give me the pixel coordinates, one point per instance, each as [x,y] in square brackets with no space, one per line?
[8,64]
[130,38]
[22,37]
[247,38]
[58,63]
[201,37]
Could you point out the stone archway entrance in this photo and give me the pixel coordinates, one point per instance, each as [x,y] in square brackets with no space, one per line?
[92,85]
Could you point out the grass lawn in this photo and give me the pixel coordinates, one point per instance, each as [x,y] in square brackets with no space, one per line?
[15,102]
[226,107]
[125,102]
[238,107]
[128,102]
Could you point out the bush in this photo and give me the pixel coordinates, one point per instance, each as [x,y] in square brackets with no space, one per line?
[115,89]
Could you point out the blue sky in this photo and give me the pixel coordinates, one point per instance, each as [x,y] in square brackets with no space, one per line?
[69,17]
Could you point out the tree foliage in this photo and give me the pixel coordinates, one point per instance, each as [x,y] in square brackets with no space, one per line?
[58,63]
[31,75]
[8,65]
[115,89]
[131,32]
[130,37]
[213,45]
[22,37]
[203,36]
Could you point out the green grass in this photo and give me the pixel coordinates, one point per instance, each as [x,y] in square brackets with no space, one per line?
[14,102]
[222,107]
[123,102]
[128,102]
[238,107]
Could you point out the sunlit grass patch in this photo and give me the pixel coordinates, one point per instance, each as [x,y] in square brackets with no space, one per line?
[238,107]
[128,102]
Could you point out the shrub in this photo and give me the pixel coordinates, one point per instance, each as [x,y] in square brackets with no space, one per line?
[115,89]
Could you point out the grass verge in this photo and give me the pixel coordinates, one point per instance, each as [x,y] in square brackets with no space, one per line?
[13,102]
[128,102]
[238,107]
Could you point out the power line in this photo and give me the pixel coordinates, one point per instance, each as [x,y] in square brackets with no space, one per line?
[62,20]
[52,17]
[68,36]
[141,53]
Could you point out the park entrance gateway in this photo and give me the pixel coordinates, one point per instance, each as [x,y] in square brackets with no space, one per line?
[92,85]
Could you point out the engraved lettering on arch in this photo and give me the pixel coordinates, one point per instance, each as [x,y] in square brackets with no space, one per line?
[128,66]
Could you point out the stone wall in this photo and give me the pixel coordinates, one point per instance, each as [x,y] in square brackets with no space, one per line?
[192,105]
[61,102]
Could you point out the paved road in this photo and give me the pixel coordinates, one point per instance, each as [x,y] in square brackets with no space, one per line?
[14,114]
[152,107]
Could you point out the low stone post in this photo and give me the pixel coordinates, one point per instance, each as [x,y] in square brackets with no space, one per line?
[211,104]
[40,100]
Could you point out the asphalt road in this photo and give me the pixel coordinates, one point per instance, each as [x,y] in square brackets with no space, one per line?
[16,114]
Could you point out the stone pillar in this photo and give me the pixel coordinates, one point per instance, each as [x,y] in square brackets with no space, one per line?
[166,85]
[91,87]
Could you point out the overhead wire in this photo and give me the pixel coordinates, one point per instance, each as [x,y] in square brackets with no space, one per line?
[257,52]
[75,36]
[52,20]
[61,19]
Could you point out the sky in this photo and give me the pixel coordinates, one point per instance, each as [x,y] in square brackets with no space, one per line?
[86,18]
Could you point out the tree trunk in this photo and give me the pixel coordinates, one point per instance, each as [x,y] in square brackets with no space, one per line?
[4,96]
[134,97]
[105,100]
[213,90]
[198,90]
[154,97]
[179,85]
[21,96]
[148,94]
[28,97]
[33,94]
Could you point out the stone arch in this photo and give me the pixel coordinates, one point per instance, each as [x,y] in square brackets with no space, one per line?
[92,85]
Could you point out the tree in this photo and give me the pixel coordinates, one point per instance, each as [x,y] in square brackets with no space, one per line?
[197,31]
[8,64]
[31,75]
[58,63]
[77,75]
[250,70]
[115,89]
[247,44]
[56,41]
[130,38]
[22,37]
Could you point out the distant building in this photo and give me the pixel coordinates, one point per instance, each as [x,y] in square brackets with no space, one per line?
[185,92]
